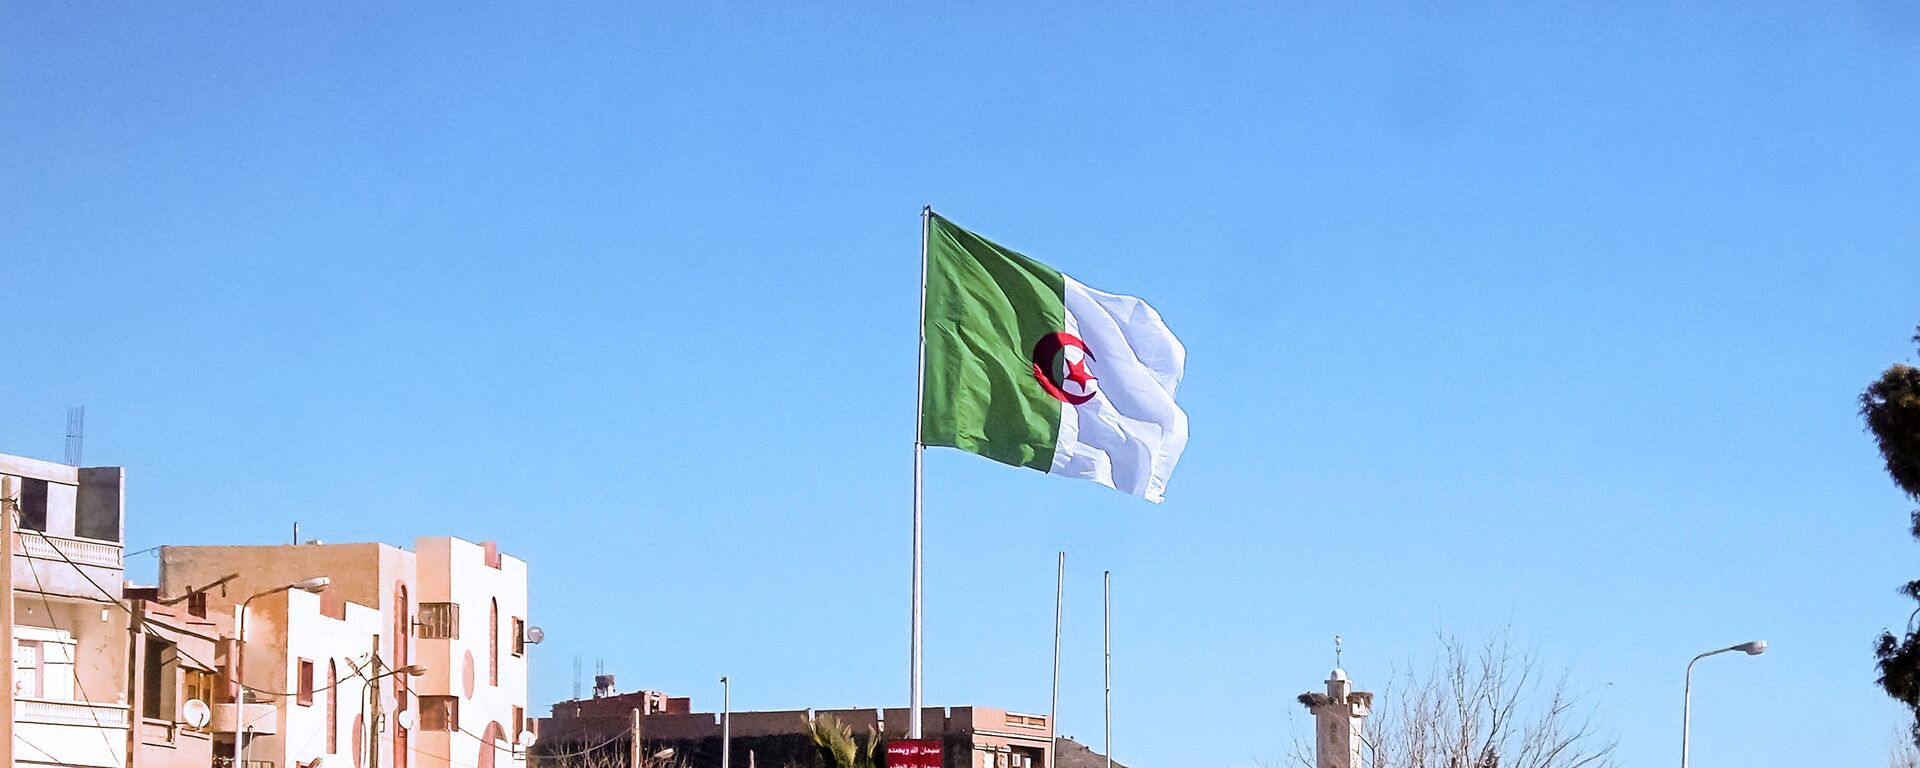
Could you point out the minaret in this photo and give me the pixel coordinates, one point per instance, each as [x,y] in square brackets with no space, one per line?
[1337,717]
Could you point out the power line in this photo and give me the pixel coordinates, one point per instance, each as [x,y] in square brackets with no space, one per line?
[41,589]
[150,630]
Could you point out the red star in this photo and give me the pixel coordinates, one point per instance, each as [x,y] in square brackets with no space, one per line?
[1078,374]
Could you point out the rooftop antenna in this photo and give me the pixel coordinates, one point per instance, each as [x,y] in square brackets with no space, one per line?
[576,678]
[76,433]
[1336,651]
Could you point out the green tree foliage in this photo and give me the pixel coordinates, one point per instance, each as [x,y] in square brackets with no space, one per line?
[838,747]
[1891,408]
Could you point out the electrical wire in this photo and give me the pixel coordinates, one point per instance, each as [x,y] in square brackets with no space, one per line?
[256,691]
[149,630]
[41,588]
[590,750]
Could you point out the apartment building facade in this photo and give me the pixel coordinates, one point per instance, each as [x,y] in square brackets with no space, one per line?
[440,632]
[69,629]
[174,651]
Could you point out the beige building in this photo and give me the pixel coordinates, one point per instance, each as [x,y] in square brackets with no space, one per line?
[455,609]
[971,737]
[174,651]
[69,628]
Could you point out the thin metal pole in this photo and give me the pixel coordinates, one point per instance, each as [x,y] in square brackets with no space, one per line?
[8,506]
[240,685]
[1053,709]
[919,394]
[1686,711]
[1106,632]
[633,739]
[726,723]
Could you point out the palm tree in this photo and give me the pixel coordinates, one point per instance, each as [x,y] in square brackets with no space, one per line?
[839,749]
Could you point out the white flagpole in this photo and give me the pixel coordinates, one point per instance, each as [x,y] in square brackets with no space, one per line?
[1106,600]
[919,394]
[1053,710]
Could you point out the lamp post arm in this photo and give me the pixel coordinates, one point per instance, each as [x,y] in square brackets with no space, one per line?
[1686,711]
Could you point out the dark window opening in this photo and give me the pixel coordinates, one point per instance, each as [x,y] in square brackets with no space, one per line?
[33,505]
[153,680]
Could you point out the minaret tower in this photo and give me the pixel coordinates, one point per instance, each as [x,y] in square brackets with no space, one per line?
[1337,718]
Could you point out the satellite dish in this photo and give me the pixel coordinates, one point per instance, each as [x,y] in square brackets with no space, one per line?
[196,714]
[526,738]
[405,719]
[535,635]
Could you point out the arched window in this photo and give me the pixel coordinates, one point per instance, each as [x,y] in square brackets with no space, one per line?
[493,741]
[493,643]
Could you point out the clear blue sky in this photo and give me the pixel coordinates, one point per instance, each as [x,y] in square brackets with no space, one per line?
[1544,318]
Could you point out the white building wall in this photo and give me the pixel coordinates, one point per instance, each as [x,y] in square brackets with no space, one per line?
[454,570]
[321,639]
[70,633]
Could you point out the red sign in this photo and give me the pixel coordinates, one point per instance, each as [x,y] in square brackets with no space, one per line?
[913,753]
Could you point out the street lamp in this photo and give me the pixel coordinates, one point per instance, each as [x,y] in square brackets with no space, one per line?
[373,696]
[240,656]
[410,670]
[726,722]
[1752,648]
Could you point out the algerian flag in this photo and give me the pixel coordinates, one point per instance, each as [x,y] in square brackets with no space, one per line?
[1026,366]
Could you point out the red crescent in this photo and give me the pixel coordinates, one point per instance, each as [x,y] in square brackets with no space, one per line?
[1044,352]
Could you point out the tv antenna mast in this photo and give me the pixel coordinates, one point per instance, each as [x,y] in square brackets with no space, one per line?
[76,433]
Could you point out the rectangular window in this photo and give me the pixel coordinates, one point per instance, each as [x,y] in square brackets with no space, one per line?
[26,668]
[439,713]
[519,724]
[303,693]
[43,664]
[439,621]
[199,683]
[197,605]
[519,638]
[33,504]
[154,700]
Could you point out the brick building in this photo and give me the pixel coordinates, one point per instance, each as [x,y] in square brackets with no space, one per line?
[972,737]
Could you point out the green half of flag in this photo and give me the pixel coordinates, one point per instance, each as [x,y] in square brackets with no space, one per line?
[985,306]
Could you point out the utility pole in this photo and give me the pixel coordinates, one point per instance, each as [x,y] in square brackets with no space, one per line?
[373,706]
[633,748]
[9,505]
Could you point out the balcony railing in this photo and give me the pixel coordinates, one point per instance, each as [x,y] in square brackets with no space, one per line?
[54,712]
[258,718]
[80,551]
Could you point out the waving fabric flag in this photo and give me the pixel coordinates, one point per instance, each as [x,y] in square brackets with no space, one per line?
[1029,367]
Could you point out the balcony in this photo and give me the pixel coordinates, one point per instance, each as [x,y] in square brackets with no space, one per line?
[41,565]
[69,733]
[227,762]
[46,546]
[260,719]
